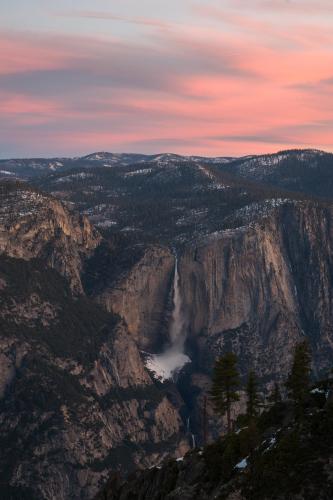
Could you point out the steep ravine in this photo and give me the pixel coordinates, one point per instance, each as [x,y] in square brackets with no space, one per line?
[75,397]
[256,289]
[142,297]
[260,288]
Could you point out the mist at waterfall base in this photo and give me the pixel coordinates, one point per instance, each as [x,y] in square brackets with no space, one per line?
[168,364]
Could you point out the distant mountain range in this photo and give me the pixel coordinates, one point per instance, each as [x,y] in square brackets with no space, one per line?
[29,168]
[307,170]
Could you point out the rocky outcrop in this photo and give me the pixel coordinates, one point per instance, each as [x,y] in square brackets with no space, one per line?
[141,296]
[75,397]
[33,225]
[256,289]
[260,288]
[76,400]
[277,458]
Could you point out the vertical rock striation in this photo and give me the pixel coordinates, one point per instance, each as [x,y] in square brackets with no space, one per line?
[260,288]
[141,297]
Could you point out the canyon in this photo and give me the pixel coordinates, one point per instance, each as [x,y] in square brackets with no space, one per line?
[120,288]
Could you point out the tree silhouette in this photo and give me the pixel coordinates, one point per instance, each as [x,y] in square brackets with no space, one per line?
[298,383]
[275,396]
[226,381]
[252,403]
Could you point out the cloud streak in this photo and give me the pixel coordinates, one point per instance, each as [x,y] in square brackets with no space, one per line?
[303,7]
[108,16]
[239,84]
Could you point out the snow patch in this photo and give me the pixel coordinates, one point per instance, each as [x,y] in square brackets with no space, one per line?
[6,172]
[80,175]
[142,171]
[107,223]
[317,391]
[242,464]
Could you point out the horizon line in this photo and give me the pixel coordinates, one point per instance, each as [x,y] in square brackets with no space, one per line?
[80,157]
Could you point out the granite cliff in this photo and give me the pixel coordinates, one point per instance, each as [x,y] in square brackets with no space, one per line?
[75,397]
[256,288]
[34,225]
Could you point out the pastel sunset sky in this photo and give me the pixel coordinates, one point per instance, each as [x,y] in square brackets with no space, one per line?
[210,77]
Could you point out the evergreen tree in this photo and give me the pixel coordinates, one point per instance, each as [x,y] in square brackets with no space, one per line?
[252,403]
[226,381]
[298,383]
[275,396]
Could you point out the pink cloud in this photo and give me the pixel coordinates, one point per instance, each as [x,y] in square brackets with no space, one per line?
[211,92]
[19,54]
[303,7]
[108,16]
[20,105]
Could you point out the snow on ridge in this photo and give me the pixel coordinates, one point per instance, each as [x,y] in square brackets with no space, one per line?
[260,208]
[21,203]
[54,165]
[6,172]
[260,166]
[106,223]
[142,171]
[80,175]
[97,156]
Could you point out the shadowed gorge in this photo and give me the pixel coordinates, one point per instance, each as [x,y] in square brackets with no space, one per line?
[121,285]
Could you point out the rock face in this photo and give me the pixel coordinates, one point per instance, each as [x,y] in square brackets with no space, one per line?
[142,296]
[256,289]
[76,400]
[33,225]
[259,289]
[278,458]
[75,397]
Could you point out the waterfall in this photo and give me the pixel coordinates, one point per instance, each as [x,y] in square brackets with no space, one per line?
[177,330]
[189,433]
[168,364]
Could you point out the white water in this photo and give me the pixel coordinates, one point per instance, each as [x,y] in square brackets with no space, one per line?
[178,325]
[166,365]
[190,434]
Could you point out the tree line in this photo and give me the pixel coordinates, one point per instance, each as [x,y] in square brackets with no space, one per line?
[226,383]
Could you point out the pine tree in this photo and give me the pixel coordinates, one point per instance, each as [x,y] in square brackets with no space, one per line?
[275,396]
[226,381]
[252,403]
[298,383]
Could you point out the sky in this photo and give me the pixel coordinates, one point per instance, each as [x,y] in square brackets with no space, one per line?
[208,77]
